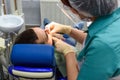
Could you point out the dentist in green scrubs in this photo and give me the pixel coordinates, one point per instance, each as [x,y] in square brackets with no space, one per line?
[101,52]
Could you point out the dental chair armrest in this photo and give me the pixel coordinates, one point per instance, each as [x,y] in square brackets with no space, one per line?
[31,72]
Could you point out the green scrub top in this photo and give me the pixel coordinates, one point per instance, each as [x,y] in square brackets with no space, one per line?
[101,53]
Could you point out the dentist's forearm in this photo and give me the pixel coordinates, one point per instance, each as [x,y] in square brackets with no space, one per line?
[79,35]
[72,66]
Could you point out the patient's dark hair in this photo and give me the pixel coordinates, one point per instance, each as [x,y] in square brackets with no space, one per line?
[26,37]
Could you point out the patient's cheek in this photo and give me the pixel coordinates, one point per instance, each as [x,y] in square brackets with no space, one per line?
[49,40]
[47,31]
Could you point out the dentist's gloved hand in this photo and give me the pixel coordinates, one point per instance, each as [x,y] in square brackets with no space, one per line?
[54,27]
[63,47]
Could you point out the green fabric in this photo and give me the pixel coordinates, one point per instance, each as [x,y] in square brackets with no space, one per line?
[61,63]
[102,49]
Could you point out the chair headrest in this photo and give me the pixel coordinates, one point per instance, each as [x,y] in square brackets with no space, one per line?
[34,55]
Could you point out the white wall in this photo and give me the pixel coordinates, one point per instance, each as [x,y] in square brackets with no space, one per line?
[31,9]
[119,3]
[50,10]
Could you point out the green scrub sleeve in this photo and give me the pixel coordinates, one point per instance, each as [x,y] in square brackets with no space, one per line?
[99,63]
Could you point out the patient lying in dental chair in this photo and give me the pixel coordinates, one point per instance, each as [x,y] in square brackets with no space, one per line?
[37,35]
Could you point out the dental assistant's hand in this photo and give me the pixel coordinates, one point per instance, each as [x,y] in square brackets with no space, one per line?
[63,47]
[59,36]
[58,28]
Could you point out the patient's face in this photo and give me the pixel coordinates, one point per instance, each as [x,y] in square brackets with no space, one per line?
[43,37]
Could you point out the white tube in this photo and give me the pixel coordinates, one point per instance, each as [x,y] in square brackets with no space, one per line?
[12,6]
[3,61]
[0,7]
[19,7]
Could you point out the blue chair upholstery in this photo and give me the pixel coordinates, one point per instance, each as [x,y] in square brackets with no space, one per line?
[32,61]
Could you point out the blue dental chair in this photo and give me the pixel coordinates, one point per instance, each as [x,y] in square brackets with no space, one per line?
[32,61]
[35,61]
